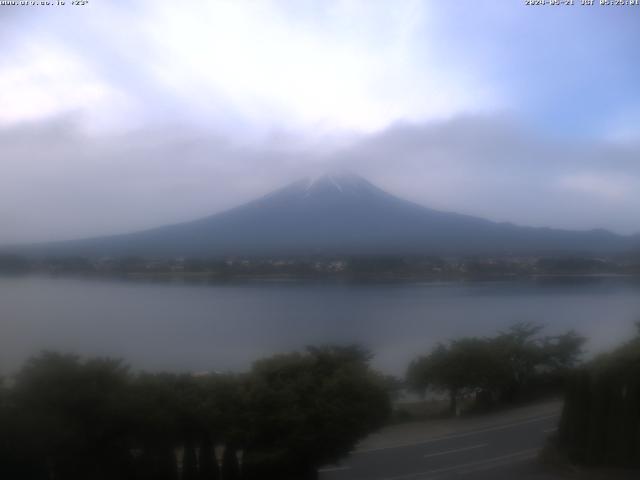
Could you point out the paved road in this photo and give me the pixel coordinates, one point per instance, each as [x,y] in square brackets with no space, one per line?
[496,452]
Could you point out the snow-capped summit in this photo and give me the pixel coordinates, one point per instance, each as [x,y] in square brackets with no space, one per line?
[343,182]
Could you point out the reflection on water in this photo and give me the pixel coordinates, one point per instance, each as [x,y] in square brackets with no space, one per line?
[200,326]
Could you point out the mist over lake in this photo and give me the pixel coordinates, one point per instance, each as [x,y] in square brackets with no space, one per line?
[225,327]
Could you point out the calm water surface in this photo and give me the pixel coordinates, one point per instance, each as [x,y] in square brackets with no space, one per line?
[204,327]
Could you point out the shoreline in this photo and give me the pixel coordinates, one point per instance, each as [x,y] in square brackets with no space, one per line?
[209,277]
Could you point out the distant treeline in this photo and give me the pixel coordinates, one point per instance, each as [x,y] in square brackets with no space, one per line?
[600,423]
[65,418]
[379,266]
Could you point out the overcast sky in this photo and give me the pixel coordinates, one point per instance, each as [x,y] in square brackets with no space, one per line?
[116,117]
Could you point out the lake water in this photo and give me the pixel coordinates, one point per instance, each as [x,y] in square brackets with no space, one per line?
[206,327]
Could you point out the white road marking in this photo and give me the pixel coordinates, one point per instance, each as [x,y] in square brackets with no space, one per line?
[500,461]
[333,469]
[463,449]
[458,435]
[471,466]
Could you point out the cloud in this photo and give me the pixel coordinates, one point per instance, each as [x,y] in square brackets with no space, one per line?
[117,116]
[610,187]
[245,66]
[47,81]
[499,168]
[59,182]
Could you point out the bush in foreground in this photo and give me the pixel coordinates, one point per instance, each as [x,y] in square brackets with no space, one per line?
[600,423]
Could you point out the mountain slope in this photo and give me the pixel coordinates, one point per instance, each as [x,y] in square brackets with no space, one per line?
[340,215]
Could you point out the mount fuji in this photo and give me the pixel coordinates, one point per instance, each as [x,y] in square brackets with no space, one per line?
[340,215]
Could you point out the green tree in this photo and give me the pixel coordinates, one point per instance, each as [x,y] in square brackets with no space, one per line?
[519,349]
[309,409]
[530,359]
[503,367]
[71,418]
[464,366]
[562,352]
